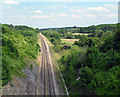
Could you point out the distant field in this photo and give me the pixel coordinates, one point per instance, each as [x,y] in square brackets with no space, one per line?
[80,33]
[70,41]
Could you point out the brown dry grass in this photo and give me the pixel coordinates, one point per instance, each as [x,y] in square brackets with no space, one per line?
[71,41]
[39,55]
[80,33]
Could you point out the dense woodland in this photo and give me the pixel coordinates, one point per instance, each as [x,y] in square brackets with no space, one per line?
[90,66]
[19,47]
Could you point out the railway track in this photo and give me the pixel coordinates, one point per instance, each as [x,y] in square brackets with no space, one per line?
[46,75]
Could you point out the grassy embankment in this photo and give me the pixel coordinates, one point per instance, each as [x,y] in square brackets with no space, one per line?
[19,49]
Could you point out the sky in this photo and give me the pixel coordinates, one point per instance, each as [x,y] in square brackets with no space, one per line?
[58,13]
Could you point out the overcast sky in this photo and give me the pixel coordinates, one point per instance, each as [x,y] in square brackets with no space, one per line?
[59,14]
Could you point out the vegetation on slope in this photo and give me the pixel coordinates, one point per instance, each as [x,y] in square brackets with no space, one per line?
[94,67]
[19,46]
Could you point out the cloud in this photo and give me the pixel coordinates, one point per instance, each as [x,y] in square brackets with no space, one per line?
[62,0]
[53,14]
[25,7]
[9,6]
[11,2]
[89,0]
[38,11]
[54,19]
[76,16]
[62,15]
[113,6]
[90,15]
[98,9]
[58,14]
[38,16]
[77,10]
[112,15]
[23,17]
